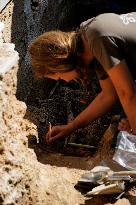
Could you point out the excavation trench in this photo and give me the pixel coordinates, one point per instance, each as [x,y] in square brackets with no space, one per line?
[31,171]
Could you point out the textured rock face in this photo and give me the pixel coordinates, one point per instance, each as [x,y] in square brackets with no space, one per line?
[8,57]
[14,184]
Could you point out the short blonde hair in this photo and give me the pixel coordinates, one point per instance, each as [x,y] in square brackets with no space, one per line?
[52,52]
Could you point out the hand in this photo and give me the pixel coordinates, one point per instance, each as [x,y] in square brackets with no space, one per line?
[124,125]
[58,132]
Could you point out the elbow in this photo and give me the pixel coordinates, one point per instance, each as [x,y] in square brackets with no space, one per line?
[111,98]
[128,95]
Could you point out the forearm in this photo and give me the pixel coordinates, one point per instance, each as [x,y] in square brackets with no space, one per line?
[126,90]
[96,109]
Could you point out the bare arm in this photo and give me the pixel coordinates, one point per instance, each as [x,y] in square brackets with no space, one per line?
[100,105]
[126,90]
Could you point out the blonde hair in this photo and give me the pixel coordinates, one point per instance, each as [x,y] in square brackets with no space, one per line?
[53,51]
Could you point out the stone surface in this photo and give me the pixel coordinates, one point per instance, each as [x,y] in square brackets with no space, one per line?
[1,30]
[3,4]
[8,57]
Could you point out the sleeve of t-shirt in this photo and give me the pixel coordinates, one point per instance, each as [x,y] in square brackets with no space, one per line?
[107,50]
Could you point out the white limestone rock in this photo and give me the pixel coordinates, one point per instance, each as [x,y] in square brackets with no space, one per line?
[8,57]
[1,26]
[1,29]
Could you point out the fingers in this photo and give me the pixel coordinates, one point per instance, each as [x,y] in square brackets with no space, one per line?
[47,137]
[124,125]
[58,132]
[53,134]
[55,137]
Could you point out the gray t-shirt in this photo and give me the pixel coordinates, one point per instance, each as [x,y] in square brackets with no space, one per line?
[112,38]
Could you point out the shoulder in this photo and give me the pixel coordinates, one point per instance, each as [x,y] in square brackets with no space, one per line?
[102,18]
[101,25]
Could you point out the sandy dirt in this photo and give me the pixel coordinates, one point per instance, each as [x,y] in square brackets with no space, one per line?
[77,165]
